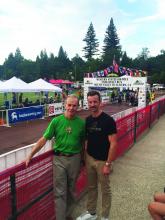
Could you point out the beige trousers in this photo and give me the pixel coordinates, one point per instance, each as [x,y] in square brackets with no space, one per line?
[95,176]
[65,171]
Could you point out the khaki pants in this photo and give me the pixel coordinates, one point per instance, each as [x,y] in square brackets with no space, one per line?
[65,171]
[95,176]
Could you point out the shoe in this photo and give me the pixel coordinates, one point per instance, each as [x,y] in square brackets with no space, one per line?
[87,216]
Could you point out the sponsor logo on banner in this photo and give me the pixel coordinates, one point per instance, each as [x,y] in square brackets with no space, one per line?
[25,114]
[55,109]
[138,82]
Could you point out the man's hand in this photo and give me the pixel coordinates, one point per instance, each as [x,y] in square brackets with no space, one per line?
[106,170]
[27,161]
[40,143]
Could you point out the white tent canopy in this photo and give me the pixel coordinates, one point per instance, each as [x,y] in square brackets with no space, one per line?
[41,85]
[14,85]
[17,85]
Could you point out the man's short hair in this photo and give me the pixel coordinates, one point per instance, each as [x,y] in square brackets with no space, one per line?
[72,97]
[93,93]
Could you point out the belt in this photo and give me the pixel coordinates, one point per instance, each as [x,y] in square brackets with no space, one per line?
[58,153]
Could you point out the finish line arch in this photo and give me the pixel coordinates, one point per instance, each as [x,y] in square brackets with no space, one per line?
[124,82]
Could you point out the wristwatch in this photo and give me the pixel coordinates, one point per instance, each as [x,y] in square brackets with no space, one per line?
[108,164]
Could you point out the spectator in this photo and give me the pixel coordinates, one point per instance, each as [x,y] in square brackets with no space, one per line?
[14,98]
[20,98]
[26,102]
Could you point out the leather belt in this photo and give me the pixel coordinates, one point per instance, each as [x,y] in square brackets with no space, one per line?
[58,153]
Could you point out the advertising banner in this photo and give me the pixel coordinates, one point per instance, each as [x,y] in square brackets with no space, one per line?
[55,109]
[25,114]
[116,82]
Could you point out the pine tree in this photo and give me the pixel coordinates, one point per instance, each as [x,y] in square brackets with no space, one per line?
[92,43]
[64,64]
[125,60]
[111,46]
[62,54]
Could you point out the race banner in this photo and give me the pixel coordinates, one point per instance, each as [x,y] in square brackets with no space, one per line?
[116,82]
[55,109]
[25,114]
[122,83]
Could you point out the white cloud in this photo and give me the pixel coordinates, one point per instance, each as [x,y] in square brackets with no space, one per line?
[47,24]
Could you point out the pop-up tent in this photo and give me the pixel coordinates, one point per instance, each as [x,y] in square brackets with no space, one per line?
[14,85]
[60,81]
[17,85]
[41,85]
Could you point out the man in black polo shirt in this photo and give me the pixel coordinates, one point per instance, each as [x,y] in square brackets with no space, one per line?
[100,152]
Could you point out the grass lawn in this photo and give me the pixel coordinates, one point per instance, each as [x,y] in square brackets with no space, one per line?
[32,96]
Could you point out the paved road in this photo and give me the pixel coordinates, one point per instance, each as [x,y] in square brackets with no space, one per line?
[136,176]
[22,134]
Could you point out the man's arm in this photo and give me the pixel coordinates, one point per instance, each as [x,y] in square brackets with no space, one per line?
[40,143]
[112,150]
[111,154]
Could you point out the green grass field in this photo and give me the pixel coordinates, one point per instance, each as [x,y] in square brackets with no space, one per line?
[32,97]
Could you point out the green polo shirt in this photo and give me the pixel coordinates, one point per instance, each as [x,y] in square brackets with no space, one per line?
[68,133]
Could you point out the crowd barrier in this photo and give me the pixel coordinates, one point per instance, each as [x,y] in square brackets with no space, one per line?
[13,116]
[27,193]
[15,157]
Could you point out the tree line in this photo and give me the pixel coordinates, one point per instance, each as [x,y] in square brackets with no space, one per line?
[61,67]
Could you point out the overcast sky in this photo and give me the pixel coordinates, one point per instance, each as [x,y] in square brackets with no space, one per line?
[35,25]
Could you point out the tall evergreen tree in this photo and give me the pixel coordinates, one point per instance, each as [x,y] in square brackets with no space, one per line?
[126,61]
[92,43]
[111,46]
[13,65]
[64,64]
[62,55]
[42,64]
[78,68]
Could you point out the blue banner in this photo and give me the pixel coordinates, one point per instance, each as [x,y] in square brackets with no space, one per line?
[25,114]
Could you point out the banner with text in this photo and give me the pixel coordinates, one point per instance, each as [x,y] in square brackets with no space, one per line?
[25,114]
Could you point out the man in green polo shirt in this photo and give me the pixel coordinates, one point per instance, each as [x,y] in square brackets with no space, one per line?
[68,131]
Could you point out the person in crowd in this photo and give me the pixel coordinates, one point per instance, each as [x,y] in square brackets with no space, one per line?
[157,208]
[148,97]
[132,98]
[113,96]
[64,96]
[127,96]
[69,131]
[14,100]
[51,100]
[101,144]
[55,97]
[152,96]
[20,98]
[120,95]
[26,102]
[37,102]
